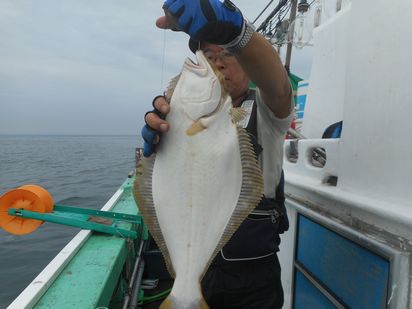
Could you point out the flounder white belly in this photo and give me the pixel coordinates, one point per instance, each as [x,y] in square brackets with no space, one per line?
[201,184]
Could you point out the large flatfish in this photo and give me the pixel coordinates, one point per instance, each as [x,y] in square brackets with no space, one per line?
[201,184]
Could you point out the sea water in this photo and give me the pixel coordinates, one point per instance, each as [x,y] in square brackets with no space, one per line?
[82,171]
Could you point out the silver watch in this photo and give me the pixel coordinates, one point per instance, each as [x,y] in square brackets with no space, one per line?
[241,41]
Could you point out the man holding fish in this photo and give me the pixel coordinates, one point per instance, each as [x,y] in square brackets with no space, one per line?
[246,272]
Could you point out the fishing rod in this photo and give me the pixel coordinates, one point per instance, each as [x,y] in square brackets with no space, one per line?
[261,13]
[280,5]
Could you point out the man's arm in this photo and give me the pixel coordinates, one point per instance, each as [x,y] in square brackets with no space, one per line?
[263,66]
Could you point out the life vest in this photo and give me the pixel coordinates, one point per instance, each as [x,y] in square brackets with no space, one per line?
[258,235]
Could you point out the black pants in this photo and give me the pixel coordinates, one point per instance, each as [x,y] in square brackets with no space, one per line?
[243,284]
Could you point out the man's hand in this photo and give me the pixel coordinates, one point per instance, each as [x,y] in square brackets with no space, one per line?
[155,125]
[205,20]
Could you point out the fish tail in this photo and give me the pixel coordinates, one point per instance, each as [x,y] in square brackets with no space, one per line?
[172,303]
[167,303]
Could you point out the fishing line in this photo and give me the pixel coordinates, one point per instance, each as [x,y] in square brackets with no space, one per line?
[163,61]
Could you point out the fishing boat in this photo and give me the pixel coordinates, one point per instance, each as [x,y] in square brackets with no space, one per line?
[349,243]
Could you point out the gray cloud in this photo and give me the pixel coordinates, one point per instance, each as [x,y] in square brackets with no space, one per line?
[85,67]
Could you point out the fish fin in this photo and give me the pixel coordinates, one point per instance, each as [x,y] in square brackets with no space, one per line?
[171,88]
[251,191]
[142,191]
[238,114]
[196,127]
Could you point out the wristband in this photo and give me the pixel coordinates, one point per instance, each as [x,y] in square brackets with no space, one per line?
[241,41]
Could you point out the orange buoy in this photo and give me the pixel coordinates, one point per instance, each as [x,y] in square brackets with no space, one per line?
[44,195]
[28,197]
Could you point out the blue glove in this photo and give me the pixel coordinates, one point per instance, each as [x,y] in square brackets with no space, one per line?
[150,135]
[207,20]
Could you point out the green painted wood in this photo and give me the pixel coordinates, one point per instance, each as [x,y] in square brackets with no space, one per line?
[99,213]
[90,279]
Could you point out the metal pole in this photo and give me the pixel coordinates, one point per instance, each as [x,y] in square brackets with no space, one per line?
[135,275]
[291,19]
[135,291]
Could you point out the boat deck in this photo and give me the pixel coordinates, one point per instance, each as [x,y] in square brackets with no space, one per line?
[90,279]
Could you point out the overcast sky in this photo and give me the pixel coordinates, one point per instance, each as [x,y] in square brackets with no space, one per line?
[90,67]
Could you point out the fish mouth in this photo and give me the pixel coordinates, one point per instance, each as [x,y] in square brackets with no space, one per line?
[201,67]
[191,64]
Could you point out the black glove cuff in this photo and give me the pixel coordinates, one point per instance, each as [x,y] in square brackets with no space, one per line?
[154,100]
[154,111]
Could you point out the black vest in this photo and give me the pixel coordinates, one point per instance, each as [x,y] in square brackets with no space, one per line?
[258,236]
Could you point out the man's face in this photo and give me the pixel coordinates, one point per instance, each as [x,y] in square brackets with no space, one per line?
[236,81]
